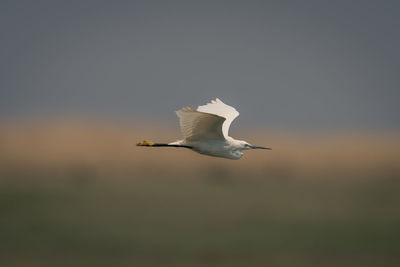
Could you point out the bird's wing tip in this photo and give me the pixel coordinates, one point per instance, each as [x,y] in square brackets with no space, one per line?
[185,110]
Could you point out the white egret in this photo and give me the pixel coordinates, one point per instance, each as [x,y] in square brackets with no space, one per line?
[205,131]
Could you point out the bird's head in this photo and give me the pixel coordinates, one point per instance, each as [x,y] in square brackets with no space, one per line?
[246,146]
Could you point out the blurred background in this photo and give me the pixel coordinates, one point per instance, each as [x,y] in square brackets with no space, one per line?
[82,81]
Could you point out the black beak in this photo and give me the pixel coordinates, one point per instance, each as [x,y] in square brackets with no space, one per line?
[260,147]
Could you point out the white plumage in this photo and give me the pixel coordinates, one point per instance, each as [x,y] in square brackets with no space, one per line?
[221,109]
[198,126]
[206,129]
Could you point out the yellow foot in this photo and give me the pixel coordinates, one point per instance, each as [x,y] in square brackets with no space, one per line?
[145,143]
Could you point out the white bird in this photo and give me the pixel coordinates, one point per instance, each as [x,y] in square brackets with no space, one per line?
[205,131]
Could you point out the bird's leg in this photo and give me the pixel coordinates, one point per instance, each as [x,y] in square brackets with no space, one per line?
[145,143]
[149,143]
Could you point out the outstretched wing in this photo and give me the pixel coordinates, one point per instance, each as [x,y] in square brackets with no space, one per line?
[221,109]
[198,126]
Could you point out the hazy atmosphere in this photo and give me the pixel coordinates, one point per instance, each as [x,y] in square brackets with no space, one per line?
[82,81]
[286,64]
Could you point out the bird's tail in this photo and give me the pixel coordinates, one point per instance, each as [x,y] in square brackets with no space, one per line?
[149,143]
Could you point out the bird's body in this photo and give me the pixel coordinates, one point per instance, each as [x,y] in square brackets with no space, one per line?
[217,148]
[205,131]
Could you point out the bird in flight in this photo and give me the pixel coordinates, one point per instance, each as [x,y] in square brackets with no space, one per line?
[205,130]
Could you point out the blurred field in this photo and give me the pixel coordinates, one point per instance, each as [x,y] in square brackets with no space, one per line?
[82,194]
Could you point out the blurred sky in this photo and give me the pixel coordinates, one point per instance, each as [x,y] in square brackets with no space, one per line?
[288,64]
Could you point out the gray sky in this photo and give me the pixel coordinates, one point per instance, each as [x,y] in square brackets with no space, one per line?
[287,64]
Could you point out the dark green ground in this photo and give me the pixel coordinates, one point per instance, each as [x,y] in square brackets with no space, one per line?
[198,221]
